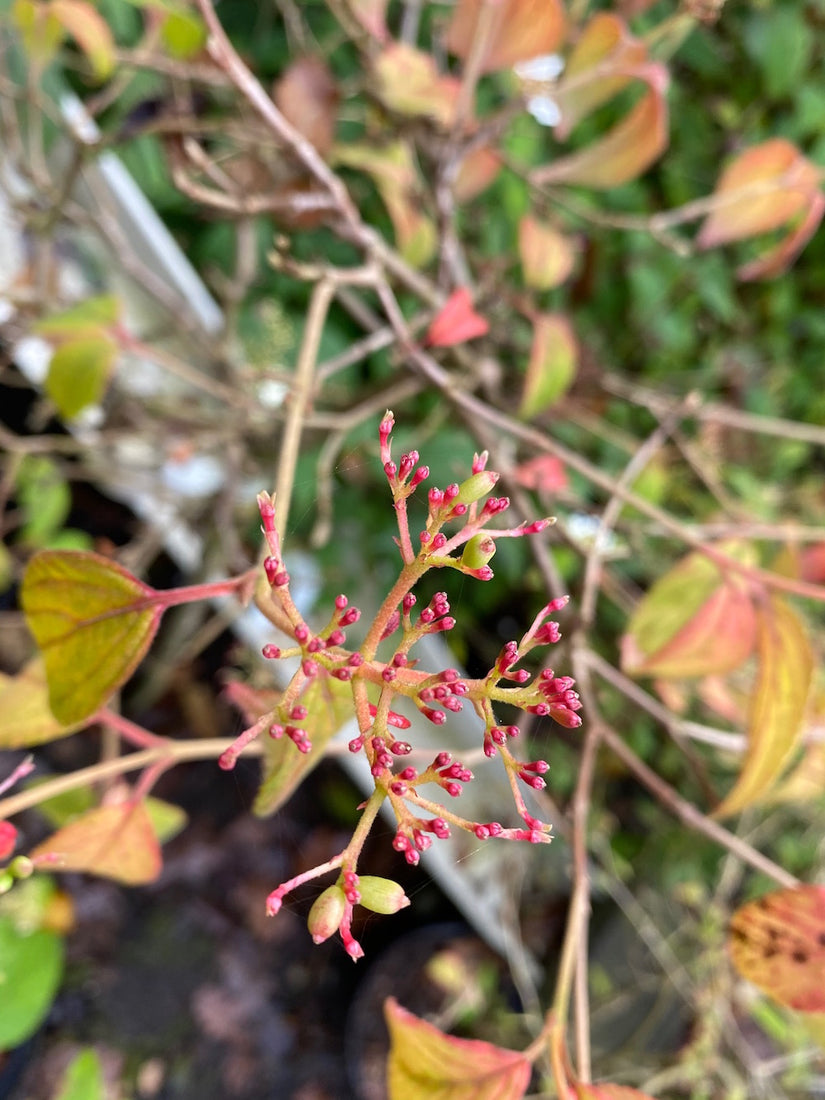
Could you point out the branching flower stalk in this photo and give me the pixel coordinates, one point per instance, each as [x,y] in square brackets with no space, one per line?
[467,545]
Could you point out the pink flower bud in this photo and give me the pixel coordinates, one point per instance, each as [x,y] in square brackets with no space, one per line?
[388,674]
[271,567]
[227,760]
[440,827]
[442,760]
[401,748]
[309,668]
[390,469]
[326,914]
[482,832]
[398,788]
[280,579]
[453,789]
[350,616]
[408,775]
[8,839]
[341,602]
[412,857]
[480,462]
[355,661]
[437,717]
[392,625]
[271,652]
[400,842]
[301,633]
[337,637]
[298,713]
[447,623]
[421,474]
[274,901]
[398,721]
[276,731]
[408,602]
[356,744]
[343,674]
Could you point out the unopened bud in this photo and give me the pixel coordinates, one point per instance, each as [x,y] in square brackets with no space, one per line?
[478,551]
[326,914]
[476,487]
[382,895]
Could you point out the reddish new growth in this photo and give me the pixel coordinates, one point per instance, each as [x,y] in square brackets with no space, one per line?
[457,535]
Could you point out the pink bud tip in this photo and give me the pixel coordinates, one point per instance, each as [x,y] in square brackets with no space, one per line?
[227,760]
[276,731]
[408,775]
[398,788]
[398,721]
[442,760]
[274,903]
[342,674]
[412,857]
[341,602]
[482,832]
[301,633]
[309,668]
[280,579]
[401,748]
[337,637]
[421,474]
[271,568]
[8,839]
[350,616]
[354,950]
[480,462]
[356,744]
[408,602]
[271,652]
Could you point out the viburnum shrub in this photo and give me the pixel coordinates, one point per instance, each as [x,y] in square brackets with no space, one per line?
[415,793]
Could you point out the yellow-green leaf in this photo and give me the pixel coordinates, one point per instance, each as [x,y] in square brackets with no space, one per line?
[86,318]
[777,706]
[778,943]
[329,703]
[79,372]
[90,30]
[694,621]
[410,83]
[425,1063]
[39,29]
[546,255]
[93,622]
[552,367]
[183,34]
[26,718]
[117,842]
[83,1079]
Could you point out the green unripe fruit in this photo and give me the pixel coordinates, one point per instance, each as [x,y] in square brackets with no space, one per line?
[21,867]
[381,895]
[478,551]
[326,914]
[476,487]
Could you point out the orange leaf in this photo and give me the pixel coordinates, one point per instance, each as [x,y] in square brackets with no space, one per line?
[552,367]
[777,260]
[694,621]
[410,83]
[625,151]
[760,190]
[90,30]
[425,1063]
[307,95]
[477,172]
[603,62]
[456,322]
[778,943]
[113,841]
[545,473]
[547,256]
[510,30]
[777,705]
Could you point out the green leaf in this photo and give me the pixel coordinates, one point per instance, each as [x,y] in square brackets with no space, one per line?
[79,372]
[552,367]
[44,496]
[31,966]
[167,819]
[91,32]
[426,1064]
[183,34]
[777,706]
[93,622]
[117,842]
[84,319]
[329,703]
[39,29]
[83,1079]
[26,719]
[778,943]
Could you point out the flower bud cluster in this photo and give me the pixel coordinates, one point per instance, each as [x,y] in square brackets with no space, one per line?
[391,758]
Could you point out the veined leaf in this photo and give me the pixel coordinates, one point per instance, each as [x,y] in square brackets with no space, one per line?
[425,1064]
[778,943]
[330,703]
[512,30]
[93,622]
[117,842]
[552,366]
[777,705]
[26,719]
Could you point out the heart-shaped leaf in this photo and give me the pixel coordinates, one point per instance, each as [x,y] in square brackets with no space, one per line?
[329,703]
[777,706]
[79,372]
[778,943]
[93,622]
[425,1063]
[117,842]
[456,322]
[552,366]
[26,719]
[547,256]
[694,621]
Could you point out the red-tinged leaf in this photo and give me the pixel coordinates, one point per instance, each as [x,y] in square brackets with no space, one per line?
[778,943]
[396,176]
[426,1064]
[777,706]
[307,95]
[370,14]
[90,30]
[778,259]
[509,31]
[93,622]
[625,152]
[694,621]
[609,1092]
[547,256]
[330,703]
[25,716]
[812,564]
[456,322]
[478,170]
[79,372]
[554,357]
[762,189]
[409,82]
[545,473]
[603,62]
[116,842]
